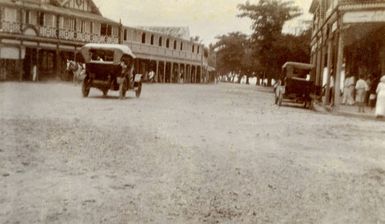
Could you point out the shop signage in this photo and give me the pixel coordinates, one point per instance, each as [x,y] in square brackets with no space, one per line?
[364,16]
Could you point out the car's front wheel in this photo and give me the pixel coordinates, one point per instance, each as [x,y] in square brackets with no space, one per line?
[280,99]
[86,87]
[123,88]
[138,91]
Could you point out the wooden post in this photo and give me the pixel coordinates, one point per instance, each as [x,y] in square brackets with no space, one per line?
[185,73]
[178,77]
[340,58]
[201,76]
[318,64]
[164,71]
[157,71]
[329,65]
[21,61]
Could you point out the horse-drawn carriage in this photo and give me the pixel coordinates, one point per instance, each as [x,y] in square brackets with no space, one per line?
[295,85]
[110,67]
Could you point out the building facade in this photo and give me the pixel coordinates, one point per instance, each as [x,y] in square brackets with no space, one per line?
[38,36]
[347,40]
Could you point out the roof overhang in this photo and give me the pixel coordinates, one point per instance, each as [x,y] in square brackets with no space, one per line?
[313,6]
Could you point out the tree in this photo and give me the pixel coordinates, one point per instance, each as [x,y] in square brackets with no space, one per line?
[268,18]
[230,53]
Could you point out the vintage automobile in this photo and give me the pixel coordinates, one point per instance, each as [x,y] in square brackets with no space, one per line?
[110,67]
[294,84]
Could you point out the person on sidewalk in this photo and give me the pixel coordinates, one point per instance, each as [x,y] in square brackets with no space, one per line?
[348,91]
[380,106]
[361,90]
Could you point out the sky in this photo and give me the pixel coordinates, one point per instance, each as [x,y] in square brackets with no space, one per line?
[205,18]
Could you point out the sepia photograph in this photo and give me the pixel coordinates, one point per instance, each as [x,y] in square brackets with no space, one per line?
[192,111]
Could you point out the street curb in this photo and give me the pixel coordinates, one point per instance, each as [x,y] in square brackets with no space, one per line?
[327,110]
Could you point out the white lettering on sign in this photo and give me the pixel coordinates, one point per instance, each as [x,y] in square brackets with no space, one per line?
[364,16]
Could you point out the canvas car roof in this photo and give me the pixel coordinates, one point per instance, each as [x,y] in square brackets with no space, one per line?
[124,49]
[298,65]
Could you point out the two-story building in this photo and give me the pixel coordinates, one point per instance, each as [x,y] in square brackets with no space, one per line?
[38,36]
[347,40]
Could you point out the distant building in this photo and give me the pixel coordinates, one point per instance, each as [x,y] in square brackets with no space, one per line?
[348,37]
[40,35]
[179,32]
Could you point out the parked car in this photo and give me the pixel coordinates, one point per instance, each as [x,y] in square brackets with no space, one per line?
[110,67]
[294,85]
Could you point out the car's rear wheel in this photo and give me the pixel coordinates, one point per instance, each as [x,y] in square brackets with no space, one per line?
[86,87]
[138,91]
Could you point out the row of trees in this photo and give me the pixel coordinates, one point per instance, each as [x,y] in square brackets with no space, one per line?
[263,53]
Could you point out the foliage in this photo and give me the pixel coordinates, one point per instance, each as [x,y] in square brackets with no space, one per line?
[230,52]
[264,52]
[268,18]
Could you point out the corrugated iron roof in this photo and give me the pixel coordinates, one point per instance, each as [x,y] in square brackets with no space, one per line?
[57,10]
[179,32]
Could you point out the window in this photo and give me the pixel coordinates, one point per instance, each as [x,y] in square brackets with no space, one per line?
[101,55]
[193,48]
[198,49]
[49,20]
[26,19]
[67,23]
[10,15]
[115,31]
[168,43]
[160,41]
[105,30]
[181,46]
[143,38]
[41,19]
[174,44]
[152,39]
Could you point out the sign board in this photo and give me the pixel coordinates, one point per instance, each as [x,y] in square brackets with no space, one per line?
[364,16]
[11,53]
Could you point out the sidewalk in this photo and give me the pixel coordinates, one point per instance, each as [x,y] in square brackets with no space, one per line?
[345,110]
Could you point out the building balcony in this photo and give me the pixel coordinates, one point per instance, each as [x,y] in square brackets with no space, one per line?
[361,2]
[145,50]
[10,27]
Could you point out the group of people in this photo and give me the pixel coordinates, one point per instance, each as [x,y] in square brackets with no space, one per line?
[366,93]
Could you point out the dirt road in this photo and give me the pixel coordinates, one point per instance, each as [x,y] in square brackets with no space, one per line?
[183,154]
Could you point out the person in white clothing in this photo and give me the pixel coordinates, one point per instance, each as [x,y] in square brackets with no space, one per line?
[361,90]
[348,91]
[380,105]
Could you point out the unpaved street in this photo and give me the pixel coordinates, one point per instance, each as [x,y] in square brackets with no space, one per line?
[183,154]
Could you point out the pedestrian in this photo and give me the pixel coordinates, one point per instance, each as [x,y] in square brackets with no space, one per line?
[361,89]
[380,105]
[348,91]
[372,93]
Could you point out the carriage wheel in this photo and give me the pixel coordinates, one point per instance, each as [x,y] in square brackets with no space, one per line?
[105,92]
[85,88]
[139,90]
[280,98]
[123,88]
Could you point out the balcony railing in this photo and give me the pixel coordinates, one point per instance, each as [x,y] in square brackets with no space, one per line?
[71,35]
[10,27]
[363,2]
[52,32]
[139,48]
